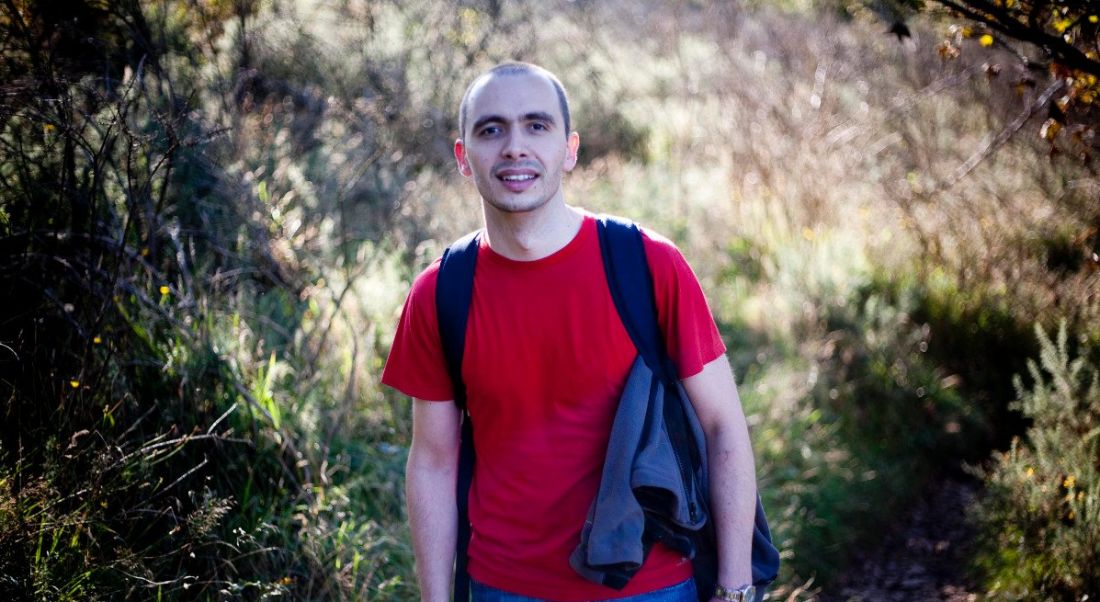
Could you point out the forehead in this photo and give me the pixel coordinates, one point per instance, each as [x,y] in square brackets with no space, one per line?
[514,94]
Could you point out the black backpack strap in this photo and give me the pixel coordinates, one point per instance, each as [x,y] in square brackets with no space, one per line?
[631,285]
[454,292]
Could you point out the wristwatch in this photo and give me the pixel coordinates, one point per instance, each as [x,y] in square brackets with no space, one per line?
[745,593]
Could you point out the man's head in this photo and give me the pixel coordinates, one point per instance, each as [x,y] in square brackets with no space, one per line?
[514,68]
[516,143]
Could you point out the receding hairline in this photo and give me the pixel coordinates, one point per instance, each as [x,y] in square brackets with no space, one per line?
[514,68]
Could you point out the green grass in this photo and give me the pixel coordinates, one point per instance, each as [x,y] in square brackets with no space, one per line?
[229,438]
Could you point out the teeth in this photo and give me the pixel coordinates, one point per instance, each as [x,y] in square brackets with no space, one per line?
[519,178]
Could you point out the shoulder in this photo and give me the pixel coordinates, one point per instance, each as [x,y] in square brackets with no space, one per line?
[659,249]
[663,254]
[427,277]
[658,243]
[665,260]
[423,286]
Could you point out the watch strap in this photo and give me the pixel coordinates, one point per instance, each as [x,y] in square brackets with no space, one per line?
[745,593]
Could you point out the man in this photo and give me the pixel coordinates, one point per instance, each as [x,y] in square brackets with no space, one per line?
[546,358]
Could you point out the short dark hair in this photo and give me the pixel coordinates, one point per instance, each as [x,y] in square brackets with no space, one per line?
[514,68]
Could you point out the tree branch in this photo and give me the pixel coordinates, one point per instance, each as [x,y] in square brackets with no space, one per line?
[1002,21]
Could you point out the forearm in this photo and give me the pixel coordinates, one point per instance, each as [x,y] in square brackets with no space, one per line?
[433,520]
[733,501]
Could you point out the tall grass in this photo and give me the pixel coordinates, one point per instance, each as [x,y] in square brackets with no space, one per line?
[202,309]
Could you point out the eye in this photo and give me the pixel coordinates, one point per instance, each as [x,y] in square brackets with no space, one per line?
[538,126]
[489,130]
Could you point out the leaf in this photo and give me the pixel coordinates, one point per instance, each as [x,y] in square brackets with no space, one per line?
[947,50]
[1050,129]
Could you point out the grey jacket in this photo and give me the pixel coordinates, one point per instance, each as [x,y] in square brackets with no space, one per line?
[642,475]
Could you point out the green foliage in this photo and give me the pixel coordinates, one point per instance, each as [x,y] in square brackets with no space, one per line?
[878,419]
[153,338]
[210,213]
[1041,512]
[976,334]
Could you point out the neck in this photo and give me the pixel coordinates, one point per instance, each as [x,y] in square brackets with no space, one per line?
[531,235]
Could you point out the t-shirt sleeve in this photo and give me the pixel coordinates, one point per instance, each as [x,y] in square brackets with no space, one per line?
[683,313]
[416,365]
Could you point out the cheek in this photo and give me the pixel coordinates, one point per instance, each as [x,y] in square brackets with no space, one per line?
[479,160]
[481,169]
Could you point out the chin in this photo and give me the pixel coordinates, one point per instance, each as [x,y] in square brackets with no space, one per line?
[517,205]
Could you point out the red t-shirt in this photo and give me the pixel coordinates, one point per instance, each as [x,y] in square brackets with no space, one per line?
[546,358]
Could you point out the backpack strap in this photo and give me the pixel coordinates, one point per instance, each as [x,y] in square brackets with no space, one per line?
[628,277]
[454,292]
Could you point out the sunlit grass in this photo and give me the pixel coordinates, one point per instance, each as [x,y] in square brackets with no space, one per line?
[872,306]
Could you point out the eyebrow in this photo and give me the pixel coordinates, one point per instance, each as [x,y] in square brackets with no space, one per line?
[532,116]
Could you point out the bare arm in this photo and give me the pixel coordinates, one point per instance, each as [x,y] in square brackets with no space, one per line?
[714,396]
[430,490]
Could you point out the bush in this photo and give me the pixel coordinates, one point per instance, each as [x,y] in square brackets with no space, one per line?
[1041,514]
[156,436]
[878,419]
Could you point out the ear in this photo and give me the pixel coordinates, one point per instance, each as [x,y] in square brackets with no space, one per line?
[460,158]
[572,146]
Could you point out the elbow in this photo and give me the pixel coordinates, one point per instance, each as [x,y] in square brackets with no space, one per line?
[431,460]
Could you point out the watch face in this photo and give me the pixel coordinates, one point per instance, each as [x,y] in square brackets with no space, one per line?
[749,593]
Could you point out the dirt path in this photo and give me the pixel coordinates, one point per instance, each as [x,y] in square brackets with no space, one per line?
[923,560]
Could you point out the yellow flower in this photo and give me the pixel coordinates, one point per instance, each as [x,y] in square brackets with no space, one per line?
[1030,471]
[807,233]
[1069,482]
[986,40]
[164,289]
[97,340]
[1093,18]
[74,383]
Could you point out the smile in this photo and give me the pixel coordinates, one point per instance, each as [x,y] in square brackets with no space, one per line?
[518,178]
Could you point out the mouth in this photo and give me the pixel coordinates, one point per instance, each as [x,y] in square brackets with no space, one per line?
[517,180]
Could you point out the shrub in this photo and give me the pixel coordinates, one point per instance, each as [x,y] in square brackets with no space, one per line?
[1041,514]
[877,419]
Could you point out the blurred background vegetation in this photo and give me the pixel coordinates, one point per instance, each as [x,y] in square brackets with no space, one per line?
[211,210]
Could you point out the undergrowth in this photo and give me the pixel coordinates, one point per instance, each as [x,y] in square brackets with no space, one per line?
[1040,516]
[211,212]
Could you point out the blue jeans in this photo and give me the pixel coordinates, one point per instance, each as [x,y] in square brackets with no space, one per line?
[681,592]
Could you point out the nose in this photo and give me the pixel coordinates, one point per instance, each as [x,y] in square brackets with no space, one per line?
[515,146]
